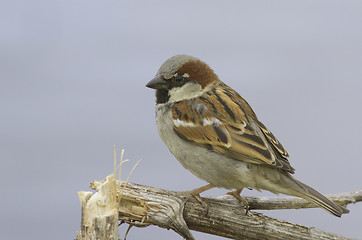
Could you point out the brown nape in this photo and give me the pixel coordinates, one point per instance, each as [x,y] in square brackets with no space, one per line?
[198,71]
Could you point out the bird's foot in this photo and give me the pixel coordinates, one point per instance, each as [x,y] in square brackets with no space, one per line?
[196,194]
[236,194]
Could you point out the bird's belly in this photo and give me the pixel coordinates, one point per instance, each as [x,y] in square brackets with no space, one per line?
[214,168]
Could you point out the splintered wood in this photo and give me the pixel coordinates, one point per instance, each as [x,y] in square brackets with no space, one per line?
[100,212]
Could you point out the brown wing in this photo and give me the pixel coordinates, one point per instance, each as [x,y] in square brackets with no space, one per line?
[273,140]
[231,128]
[199,125]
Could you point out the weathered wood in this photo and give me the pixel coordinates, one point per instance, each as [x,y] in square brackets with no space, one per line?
[142,206]
[270,203]
[100,212]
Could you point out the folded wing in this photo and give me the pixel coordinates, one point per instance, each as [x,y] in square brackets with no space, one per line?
[225,123]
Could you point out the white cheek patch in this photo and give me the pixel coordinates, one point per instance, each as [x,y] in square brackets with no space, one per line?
[188,91]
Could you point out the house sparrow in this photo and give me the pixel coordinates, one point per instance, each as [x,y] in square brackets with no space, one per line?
[214,133]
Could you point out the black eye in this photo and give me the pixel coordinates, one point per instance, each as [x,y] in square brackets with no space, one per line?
[179,81]
[179,78]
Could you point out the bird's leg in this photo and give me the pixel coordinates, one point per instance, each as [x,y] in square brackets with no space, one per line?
[236,194]
[196,193]
[199,190]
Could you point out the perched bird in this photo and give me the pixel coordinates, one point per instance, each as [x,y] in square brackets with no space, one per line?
[214,133]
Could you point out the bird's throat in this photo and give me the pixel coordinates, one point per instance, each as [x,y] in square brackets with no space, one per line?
[162,96]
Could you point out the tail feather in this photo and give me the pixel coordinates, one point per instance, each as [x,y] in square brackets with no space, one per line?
[323,202]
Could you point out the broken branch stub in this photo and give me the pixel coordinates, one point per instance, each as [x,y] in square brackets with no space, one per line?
[100,212]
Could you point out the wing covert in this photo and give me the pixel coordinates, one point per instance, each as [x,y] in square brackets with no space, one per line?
[224,123]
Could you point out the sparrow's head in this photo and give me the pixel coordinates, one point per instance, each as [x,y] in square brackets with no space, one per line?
[182,77]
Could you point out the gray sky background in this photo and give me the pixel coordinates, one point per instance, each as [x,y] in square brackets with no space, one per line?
[72,84]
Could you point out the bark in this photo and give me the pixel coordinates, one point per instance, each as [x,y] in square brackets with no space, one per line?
[224,216]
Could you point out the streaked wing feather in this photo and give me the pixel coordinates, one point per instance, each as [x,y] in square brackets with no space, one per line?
[232,130]
[273,140]
[199,125]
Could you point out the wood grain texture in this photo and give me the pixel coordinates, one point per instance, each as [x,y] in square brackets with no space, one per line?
[142,206]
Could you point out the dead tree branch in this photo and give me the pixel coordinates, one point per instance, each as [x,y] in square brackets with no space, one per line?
[271,203]
[143,206]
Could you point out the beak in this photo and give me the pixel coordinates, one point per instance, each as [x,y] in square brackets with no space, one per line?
[157,83]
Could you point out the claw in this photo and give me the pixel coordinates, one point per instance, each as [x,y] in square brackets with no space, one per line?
[196,194]
[236,194]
